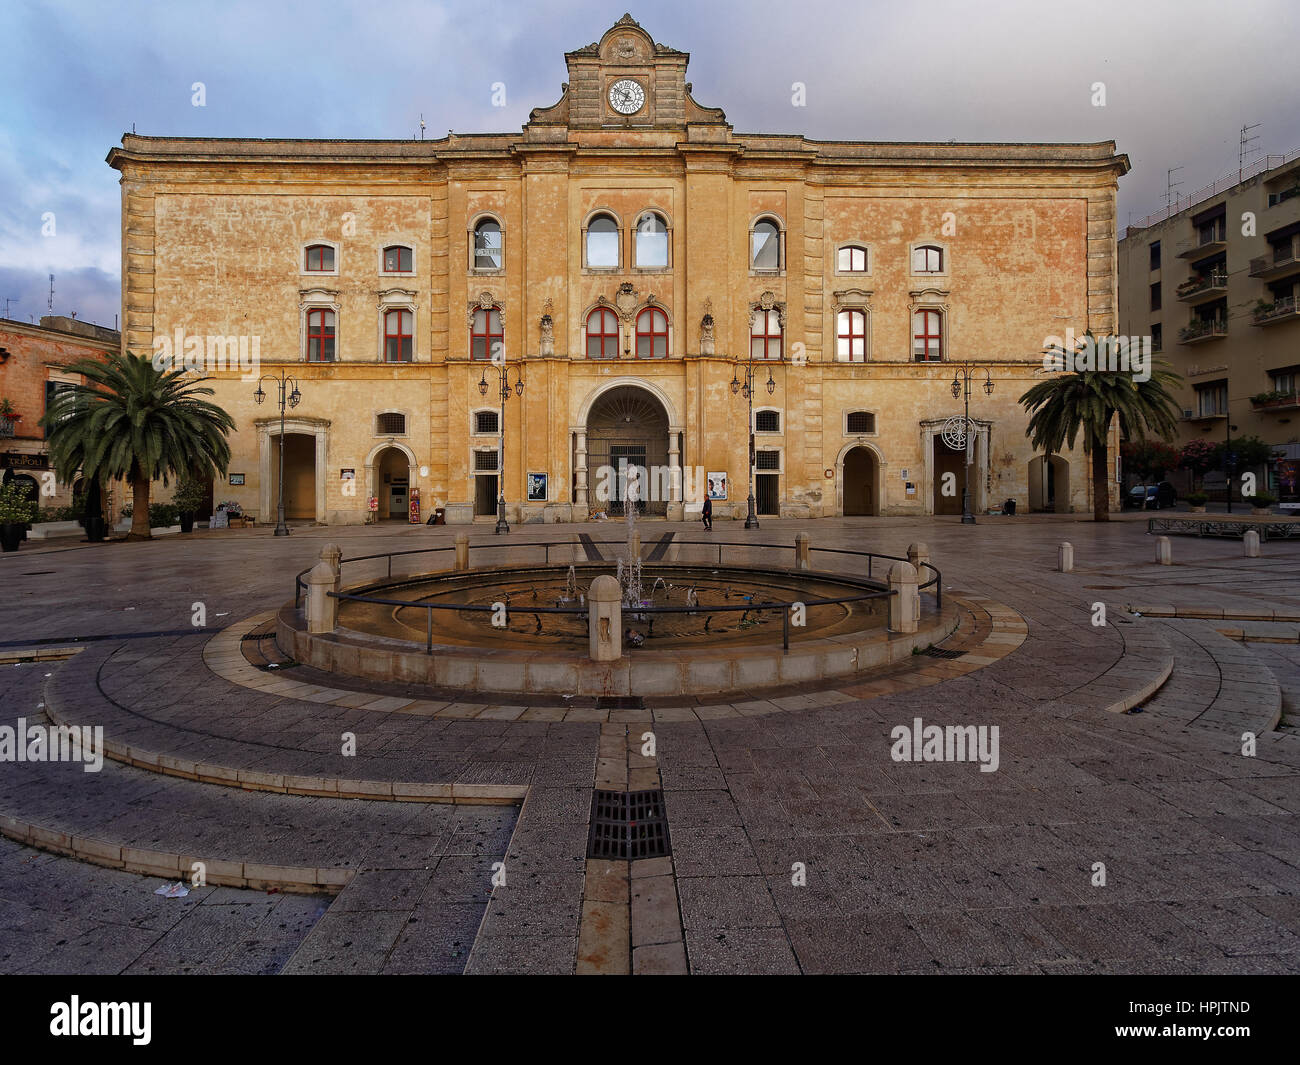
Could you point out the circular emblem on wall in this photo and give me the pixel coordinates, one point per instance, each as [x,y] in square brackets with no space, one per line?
[829,474]
[954,432]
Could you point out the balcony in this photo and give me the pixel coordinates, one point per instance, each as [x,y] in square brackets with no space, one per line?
[1278,311]
[7,427]
[1270,402]
[1279,264]
[1196,248]
[1276,198]
[1203,329]
[1205,287]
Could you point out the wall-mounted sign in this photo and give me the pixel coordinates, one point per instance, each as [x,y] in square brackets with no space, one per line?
[718,485]
[236,478]
[414,518]
[348,475]
[537,487]
[12,460]
[911,488]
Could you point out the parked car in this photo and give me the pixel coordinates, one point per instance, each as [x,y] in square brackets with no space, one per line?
[1151,496]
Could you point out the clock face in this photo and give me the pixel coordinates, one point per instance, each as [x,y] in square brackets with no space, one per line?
[626,96]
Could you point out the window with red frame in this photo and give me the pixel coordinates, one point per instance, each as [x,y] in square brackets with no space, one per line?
[852,259]
[602,334]
[397,259]
[765,338]
[852,336]
[320,258]
[651,334]
[487,337]
[927,336]
[320,336]
[399,329]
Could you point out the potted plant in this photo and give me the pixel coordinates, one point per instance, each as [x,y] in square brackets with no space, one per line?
[1196,502]
[190,495]
[1261,503]
[16,510]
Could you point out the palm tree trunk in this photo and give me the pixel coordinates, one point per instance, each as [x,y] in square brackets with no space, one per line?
[1100,481]
[139,506]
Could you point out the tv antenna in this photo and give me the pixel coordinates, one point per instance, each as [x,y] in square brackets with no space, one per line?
[1245,151]
[50,302]
[421,125]
[1170,184]
[8,300]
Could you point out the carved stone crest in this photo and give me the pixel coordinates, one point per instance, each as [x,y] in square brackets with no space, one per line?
[548,330]
[706,329]
[485,302]
[626,300]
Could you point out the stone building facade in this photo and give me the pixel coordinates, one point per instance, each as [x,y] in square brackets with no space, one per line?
[627,253]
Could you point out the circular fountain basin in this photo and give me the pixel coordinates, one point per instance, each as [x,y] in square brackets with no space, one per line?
[703,650]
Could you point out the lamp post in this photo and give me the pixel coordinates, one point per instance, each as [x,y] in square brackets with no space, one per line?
[961,384]
[503,526]
[1229,459]
[747,389]
[284,381]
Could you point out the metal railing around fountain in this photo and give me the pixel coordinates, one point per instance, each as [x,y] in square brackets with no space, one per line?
[935,582]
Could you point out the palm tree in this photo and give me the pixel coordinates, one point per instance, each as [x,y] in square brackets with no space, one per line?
[133,420]
[1085,401]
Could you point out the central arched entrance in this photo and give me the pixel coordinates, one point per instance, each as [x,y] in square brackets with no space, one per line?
[627,426]
[861,483]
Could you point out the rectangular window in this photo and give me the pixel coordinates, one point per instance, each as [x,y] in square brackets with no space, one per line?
[767,421]
[1155,296]
[1155,255]
[398,336]
[485,421]
[767,460]
[389,424]
[1212,399]
[927,336]
[1157,337]
[860,421]
[1283,380]
[397,260]
[485,461]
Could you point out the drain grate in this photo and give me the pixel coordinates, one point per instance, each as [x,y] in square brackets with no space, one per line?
[628,825]
[942,652]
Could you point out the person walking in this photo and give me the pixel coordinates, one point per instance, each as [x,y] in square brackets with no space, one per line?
[706,515]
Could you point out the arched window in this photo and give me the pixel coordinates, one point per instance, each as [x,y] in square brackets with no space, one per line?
[319,259]
[927,259]
[487,335]
[487,245]
[399,328]
[602,242]
[398,259]
[851,338]
[651,334]
[765,245]
[927,336]
[320,336]
[602,334]
[765,340]
[852,259]
[651,241]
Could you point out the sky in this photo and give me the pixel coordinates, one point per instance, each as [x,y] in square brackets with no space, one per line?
[1179,80]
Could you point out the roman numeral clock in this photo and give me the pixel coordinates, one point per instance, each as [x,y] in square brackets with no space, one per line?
[626,96]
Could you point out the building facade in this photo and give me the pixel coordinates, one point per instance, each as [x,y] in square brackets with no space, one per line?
[628,254]
[1216,286]
[34,362]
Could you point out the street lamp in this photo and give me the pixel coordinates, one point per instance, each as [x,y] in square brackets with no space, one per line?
[283,381]
[961,384]
[747,389]
[1229,460]
[503,526]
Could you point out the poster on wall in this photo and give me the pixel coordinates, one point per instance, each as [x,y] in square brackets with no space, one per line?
[537,488]
[718,485]
[414,518]
[236,479]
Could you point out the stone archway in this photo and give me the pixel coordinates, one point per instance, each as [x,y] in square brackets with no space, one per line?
[861,483]
[268,435]
[629,426]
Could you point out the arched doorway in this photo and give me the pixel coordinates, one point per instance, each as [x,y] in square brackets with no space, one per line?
[393,484]
[1049,484]
[299,476]
[628,426]
[861,483]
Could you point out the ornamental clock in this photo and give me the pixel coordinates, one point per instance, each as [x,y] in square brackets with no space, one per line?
[626,96]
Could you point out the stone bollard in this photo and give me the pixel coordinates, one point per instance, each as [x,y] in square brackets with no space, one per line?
[322,608]
[332,555]
[1065,557]
[1164,551]
[462,551]
[605,619]
[1251,543]
[905,607]
[918,555]
[802,549]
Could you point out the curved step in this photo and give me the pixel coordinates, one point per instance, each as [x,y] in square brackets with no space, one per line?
[1248,697]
